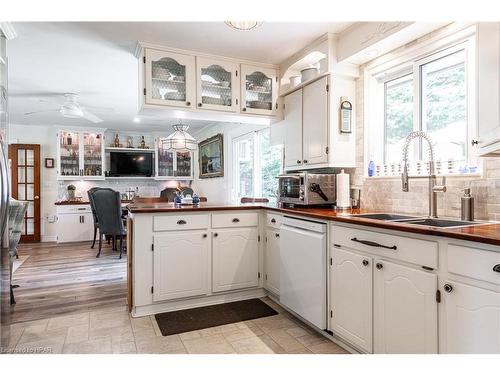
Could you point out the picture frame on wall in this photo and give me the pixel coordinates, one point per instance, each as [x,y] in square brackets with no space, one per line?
[211,157]
[49,163]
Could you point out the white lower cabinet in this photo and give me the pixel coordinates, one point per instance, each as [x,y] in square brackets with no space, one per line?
[272,261]
[235,259]
[75,227]
[181,264]
[471,319]
[405,309]
[351,297]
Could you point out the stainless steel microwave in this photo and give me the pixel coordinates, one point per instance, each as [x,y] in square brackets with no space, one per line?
[305,188]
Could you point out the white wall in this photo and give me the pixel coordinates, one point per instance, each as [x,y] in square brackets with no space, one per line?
[218,189]
[45,136]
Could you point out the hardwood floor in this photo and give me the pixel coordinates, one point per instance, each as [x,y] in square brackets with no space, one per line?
[58,279]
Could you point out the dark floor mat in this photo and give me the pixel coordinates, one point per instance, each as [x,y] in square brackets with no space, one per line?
[175,322]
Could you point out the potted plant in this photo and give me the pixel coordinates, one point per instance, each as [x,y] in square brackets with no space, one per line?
[71,192]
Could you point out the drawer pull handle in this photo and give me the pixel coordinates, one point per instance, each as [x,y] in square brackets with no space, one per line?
[374,244]
[448,288]
[236,220]
[182,222]
[496,268]
[273,221]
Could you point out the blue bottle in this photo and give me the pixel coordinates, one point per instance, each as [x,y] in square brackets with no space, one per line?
[371,168]
[177,199]
[196,199]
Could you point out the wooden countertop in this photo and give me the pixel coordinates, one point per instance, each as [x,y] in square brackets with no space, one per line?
[488,233]
[70,203]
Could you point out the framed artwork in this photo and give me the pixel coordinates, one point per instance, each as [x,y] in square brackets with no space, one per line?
[211,157]
[49,163]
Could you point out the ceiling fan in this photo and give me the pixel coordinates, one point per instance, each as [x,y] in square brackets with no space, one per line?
[71,109]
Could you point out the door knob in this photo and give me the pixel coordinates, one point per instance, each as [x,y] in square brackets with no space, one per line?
[379,266]
[448,288]
[37,197]
[365,262]
[474,142]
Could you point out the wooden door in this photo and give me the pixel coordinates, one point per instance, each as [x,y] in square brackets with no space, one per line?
[272,261]
[180,264]
[315,122]
[25,173]
[405,310]
[293,129]
[351,297]
[235,258]
[471,319]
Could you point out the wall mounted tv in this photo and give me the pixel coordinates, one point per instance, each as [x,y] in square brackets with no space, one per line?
[131,164]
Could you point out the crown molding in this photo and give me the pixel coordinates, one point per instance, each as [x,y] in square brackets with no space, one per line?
[8,30]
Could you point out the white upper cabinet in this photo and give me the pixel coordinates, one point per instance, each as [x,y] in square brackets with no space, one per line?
[405,310]
[259,90]
[293,126]
[80,155]
[488,87]
[171,165]
[315,122]
[218,85]
[471,320]
[169,78]
[351,297]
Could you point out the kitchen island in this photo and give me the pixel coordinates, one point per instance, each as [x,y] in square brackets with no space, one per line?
[183,257]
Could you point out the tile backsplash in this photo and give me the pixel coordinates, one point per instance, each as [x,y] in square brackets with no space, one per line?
[385,194]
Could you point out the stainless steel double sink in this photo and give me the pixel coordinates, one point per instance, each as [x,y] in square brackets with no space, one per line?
[417,220]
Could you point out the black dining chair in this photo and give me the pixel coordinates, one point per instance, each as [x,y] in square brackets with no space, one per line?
[108,209]
[90,193]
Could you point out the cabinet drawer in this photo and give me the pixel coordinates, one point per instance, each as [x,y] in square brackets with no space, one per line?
[235,219]
[411,250]
[475,263]
[273,221]
[73,209]
[180,222]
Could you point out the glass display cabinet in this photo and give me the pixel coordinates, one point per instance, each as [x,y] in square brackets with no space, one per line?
[173,164]
[258,90]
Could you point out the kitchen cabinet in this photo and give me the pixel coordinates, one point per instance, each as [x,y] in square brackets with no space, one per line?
[74,223]
[315,122]
[218,85]
[80,155]
[181,264]
[169,78]
[272,261]
[293,129]
[488,88]
[471,319]
[235,259]
[351,279]
[405,309]
[173,164]
[259,90]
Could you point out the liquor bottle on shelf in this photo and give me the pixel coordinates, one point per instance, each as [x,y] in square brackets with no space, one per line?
[117,141]
[143,142]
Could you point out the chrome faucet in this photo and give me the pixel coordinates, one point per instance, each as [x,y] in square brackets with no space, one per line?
[433,188]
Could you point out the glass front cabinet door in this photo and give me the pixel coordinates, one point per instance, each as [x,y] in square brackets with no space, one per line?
[173,165]
[217,85]
[169,79]
[80,155]
[259,90]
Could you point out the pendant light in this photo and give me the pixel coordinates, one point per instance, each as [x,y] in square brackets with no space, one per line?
[180,139]
[243,25]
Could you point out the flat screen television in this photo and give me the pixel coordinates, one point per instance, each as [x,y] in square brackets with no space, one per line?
[131,164]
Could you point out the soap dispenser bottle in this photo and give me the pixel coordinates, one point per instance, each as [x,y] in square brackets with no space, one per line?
[467,206]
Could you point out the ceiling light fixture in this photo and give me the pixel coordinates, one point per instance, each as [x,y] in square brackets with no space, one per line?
[243,25]
[180,139]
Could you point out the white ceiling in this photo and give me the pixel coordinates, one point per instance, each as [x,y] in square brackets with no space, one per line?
[96,61]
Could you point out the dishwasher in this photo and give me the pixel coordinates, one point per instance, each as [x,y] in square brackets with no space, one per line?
[303,269]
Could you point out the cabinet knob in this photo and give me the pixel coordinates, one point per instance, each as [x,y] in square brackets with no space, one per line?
[365,262]
[182,222]
[204,235]
[305,161]
[474,142]
[199,104]
[216,234]
[496,268]
[244,109]
[379,266]
[299,162]
[188,103]
[448,288]
[273,221]
[276,234]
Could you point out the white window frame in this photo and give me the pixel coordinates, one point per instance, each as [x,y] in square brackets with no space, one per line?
[254,135]
[394,65]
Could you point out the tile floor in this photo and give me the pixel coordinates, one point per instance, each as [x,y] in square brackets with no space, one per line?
[113,330]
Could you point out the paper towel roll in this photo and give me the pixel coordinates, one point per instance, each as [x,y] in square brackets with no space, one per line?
[343,199]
